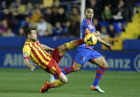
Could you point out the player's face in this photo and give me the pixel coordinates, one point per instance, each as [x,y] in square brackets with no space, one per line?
[89,14]
[33,35]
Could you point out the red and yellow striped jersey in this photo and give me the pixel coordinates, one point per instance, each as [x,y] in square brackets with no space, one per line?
[35,52]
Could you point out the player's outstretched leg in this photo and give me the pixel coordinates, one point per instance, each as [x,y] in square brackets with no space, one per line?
[99,74]
[69,45]
[74,43]
[67,70]
[75,67]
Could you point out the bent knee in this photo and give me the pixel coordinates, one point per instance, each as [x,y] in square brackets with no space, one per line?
[77,66]
[105,65]
[77,69]
[65,80]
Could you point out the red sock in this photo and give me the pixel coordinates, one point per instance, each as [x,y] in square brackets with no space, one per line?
[68,70]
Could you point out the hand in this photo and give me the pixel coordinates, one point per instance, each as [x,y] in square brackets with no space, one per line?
[108,46]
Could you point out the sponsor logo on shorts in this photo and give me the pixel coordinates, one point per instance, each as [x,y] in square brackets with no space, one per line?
[82,58]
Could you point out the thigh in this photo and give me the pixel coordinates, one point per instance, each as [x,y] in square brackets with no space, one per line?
[56,56]
[101,62]
[62,49]
[53,68]
[83,55]
[59,52]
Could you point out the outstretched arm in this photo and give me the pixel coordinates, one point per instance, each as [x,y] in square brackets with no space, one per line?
[97,34]
[103,42]
[27,63]
[46,47]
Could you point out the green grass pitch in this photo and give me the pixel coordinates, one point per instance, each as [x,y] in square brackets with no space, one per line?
[22,83]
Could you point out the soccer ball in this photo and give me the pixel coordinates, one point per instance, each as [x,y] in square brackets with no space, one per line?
[90,39]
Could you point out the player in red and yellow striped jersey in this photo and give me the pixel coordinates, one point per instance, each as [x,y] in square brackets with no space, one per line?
[36,52]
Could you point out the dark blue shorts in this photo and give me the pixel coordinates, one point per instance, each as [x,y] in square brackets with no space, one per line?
[83,55]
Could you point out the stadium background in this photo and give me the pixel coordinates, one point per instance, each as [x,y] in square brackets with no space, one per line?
[58,21]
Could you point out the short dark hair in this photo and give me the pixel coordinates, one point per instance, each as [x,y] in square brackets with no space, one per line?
[28,31]
[88,9]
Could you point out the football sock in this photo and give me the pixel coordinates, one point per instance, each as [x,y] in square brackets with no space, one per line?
[65,71]
[56,83]
[99,75]
[68,70]
[74,43]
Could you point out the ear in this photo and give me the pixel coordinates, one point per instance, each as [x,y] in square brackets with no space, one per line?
[28,35]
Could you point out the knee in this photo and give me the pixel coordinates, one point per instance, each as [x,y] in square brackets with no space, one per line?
[65,46]
[65,80]
[62,47]
[105,65]
[76,68]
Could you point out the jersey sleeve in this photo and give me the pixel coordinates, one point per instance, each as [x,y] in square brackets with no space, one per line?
[26,52]
[82,28]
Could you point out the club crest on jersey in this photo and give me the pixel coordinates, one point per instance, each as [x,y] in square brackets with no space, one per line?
[82,58]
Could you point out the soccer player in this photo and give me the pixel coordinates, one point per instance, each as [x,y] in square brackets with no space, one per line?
[87,53]
[35,51]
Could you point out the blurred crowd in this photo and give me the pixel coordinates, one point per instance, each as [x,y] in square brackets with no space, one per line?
[62,18]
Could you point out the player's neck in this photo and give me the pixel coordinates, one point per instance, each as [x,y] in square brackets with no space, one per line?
[89,19]
[29,40]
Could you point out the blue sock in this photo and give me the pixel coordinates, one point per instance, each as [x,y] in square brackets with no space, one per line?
[99,75]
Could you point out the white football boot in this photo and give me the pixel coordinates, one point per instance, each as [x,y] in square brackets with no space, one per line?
[97,88]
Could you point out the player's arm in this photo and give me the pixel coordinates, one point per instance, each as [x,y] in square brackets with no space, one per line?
[28,64]
[103,42]
[96,33]
[46,47]
[26,56]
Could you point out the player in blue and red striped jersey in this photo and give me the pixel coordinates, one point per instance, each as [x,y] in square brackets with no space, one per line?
[87,53]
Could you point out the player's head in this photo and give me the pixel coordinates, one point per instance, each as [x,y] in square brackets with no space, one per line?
[31,34]
[89,13]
